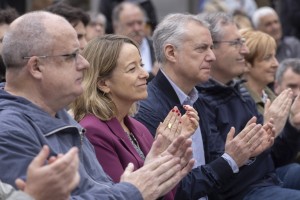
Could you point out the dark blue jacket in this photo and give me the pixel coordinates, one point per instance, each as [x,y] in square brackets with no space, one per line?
[203,180]
[232,105]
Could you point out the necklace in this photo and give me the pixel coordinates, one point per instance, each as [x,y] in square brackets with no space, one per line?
[135,144]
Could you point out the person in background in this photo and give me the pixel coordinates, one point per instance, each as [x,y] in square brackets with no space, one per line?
[107,6]
[261,66]
[44,75]
[77,18]
[46,181]
[96,26]
[6,17]
[288,76]
[266,19]
[242,20]
[130,20]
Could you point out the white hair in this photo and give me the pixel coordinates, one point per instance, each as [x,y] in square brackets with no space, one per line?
[259,13]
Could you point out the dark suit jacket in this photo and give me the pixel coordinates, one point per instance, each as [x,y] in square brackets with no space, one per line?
[203,180]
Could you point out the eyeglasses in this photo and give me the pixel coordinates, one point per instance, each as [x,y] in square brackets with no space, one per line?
[68,56]
[237,43]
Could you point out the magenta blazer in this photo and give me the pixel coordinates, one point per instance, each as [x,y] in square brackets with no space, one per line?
[113,148]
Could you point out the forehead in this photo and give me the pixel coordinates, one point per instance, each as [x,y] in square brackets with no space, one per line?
[127,50]
[131,12]
[289,74]
[196,32]
[229,32]
[269,17]
[128,54]
[80,28]
[65,37]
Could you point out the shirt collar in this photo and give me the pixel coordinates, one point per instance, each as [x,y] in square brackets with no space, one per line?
[189,99]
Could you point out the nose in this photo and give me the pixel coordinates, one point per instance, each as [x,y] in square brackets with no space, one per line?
[82,63]
[210,56]
[144,73]
[82,43]
[244,50]
[275,62]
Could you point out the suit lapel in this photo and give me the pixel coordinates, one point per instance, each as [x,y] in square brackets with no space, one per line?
[116,128]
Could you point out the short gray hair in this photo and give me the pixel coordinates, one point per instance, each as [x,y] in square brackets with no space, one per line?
[216,22]
[27,36]
[171,30]
[293,63]
[259,13]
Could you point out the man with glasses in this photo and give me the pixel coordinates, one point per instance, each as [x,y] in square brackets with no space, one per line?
[183,46]
[44,75]
[229,104]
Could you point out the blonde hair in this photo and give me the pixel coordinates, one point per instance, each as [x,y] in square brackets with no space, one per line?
[259,44]
[102,53]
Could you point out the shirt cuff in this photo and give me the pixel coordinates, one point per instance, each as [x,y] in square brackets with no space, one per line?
[231,163]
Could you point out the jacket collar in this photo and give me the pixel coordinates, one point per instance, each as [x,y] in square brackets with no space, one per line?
[43,121]
[116,128]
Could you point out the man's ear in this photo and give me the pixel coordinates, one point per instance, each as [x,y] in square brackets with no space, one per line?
[34,67]
[103,85]
[170,52]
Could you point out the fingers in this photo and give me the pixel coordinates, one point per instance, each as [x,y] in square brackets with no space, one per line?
[41,158]
[191,112]
[252,120]
[230,135]
[171,118]
[175,145]
[244,133]
[64,162]
[128,170]
[257,138]
[160,129]
[20,184]
[75,181]
[187,168]
[188,154]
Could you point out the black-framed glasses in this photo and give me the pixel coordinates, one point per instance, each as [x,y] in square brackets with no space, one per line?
[73,55]
[237,42]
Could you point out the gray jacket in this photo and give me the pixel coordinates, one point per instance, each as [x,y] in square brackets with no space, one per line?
[7,192]
[25,128]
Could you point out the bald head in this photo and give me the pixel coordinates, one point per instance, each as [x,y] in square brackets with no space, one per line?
[32,34]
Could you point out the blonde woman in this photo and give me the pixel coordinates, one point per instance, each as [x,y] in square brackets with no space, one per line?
[114,83]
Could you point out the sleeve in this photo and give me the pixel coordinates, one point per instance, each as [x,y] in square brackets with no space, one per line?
[286,145]
[7,192]
[106,153]
[17,150]
[204,180]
